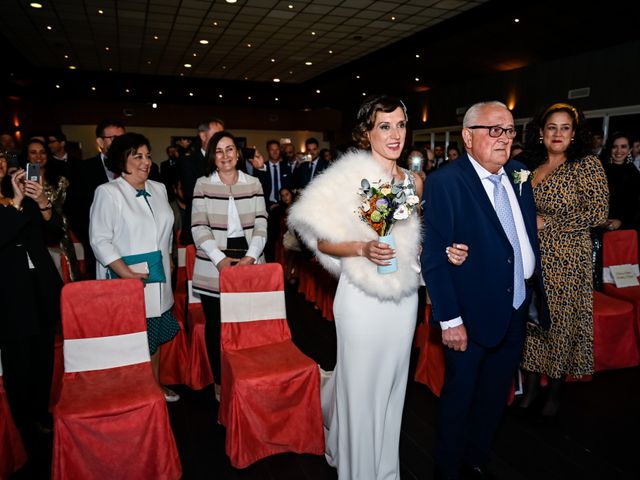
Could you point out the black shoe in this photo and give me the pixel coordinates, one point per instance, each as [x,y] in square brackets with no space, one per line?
[476,473]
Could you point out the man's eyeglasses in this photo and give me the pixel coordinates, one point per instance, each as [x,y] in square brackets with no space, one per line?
[495,131]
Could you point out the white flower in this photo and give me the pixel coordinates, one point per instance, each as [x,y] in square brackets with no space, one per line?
[520,177]
[365,206]
[413,200]
[402,213]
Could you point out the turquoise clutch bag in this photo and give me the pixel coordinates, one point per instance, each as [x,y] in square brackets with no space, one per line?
[153,261]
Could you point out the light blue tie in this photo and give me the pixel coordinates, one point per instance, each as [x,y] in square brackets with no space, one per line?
[503,210]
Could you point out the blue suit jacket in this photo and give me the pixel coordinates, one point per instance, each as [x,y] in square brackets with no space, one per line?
[457,209]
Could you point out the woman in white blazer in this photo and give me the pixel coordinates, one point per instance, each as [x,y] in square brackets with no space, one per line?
[129,216]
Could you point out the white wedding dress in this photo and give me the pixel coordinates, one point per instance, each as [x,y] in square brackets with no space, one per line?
[363,398]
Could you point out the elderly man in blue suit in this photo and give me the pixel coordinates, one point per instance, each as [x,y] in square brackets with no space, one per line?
[482,305]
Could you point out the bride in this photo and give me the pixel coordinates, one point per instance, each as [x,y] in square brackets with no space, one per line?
[375,314]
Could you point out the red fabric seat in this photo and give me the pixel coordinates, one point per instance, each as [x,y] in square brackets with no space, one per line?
[199,373]
[270,400]
[430,367]
[12,453]
[614,338]
[111,418]
[620,247]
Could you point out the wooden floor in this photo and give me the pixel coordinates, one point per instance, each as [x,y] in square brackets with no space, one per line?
[597,435]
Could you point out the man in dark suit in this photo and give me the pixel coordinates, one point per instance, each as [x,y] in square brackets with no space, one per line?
[481,305]
[92,173]
[276,176]
[65,164]
[169,173]
[305,172]
[192,165]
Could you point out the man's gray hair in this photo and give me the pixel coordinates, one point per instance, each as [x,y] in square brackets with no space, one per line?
[471,117]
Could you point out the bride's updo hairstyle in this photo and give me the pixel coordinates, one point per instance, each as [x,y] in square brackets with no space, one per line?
[367,116]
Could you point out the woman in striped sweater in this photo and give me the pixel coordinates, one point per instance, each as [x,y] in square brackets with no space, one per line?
[229,227]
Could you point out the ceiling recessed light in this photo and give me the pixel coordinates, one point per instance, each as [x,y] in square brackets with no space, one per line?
[290,72]
[517,20]
[57,86]
[393,18]
[35,5]
[330,51]
[187,65]
[248,98]
[100,12]
[148,62]
[317,91]
[93,88]
[66,56]
[273,60]
[215,24]
[417,55]
[126,90]
[417,79]
[249,45]
[106,48]
[358,77]
[191,94]
[224,67]
[154,105]
[246,78]
[110,69]
[313,33]
[72,67]
[204,42]
[155,37]
[159,92]
[220,95]
[364,94]
[195,54]
[277,80]
[49,27]
[308,63]
[182,74]
[290,6]
[231,1]
[277,99]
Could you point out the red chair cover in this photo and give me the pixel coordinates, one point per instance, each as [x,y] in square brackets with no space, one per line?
[430,367]
[199,373]
[270,390]
[109,422]
[12,453]
[615,344]
[620,247]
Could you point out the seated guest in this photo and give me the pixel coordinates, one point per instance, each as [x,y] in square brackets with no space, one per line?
[30,302]
[131,216]
[229,227]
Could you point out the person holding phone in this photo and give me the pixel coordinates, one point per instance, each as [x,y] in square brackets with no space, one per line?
[229,227]
[30,302]
[130,230]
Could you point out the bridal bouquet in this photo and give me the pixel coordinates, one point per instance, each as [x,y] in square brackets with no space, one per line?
[384,203]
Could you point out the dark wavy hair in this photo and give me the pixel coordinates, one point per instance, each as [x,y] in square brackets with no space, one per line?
[51,173]
[606,151]
[210,156]
[120,149]
[535,153]
[366,117]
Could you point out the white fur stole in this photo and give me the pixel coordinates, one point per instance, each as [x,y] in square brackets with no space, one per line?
[328,210]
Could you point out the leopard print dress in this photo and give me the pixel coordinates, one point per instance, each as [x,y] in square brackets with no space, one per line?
[573,198]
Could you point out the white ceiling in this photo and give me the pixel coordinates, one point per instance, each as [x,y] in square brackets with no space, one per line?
[158,37]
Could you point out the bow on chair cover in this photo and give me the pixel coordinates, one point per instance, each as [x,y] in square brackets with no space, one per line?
[12,452]
[111,419]
[620,247]
[270,390]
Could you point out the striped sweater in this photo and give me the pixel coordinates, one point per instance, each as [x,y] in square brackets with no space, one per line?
[209,220]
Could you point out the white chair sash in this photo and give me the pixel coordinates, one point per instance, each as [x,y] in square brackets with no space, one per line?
[194,297]
[182,257]
[100,353]
[0,363]
[79,251]
[252,306]
[608,278]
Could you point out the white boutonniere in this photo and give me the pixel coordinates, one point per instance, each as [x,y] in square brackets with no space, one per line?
[520,176]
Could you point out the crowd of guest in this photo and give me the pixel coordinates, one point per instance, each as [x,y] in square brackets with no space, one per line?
[233,203]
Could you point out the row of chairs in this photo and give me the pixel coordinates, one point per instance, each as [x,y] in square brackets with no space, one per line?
[616,320]
[111,419]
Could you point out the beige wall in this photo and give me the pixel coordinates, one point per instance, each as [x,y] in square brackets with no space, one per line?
[160,138]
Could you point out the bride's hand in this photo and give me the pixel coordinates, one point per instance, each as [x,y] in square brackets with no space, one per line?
[457,253]
[378,252]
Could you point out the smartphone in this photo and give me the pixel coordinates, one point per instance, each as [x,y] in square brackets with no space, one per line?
[248,153]
[33,172]
[416,163]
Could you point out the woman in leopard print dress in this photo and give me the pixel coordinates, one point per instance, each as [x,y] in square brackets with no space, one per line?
[571,194]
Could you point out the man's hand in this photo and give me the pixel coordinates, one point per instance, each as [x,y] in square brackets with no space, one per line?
[455,337]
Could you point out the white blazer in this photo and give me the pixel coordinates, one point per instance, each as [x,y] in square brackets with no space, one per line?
[122,224]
